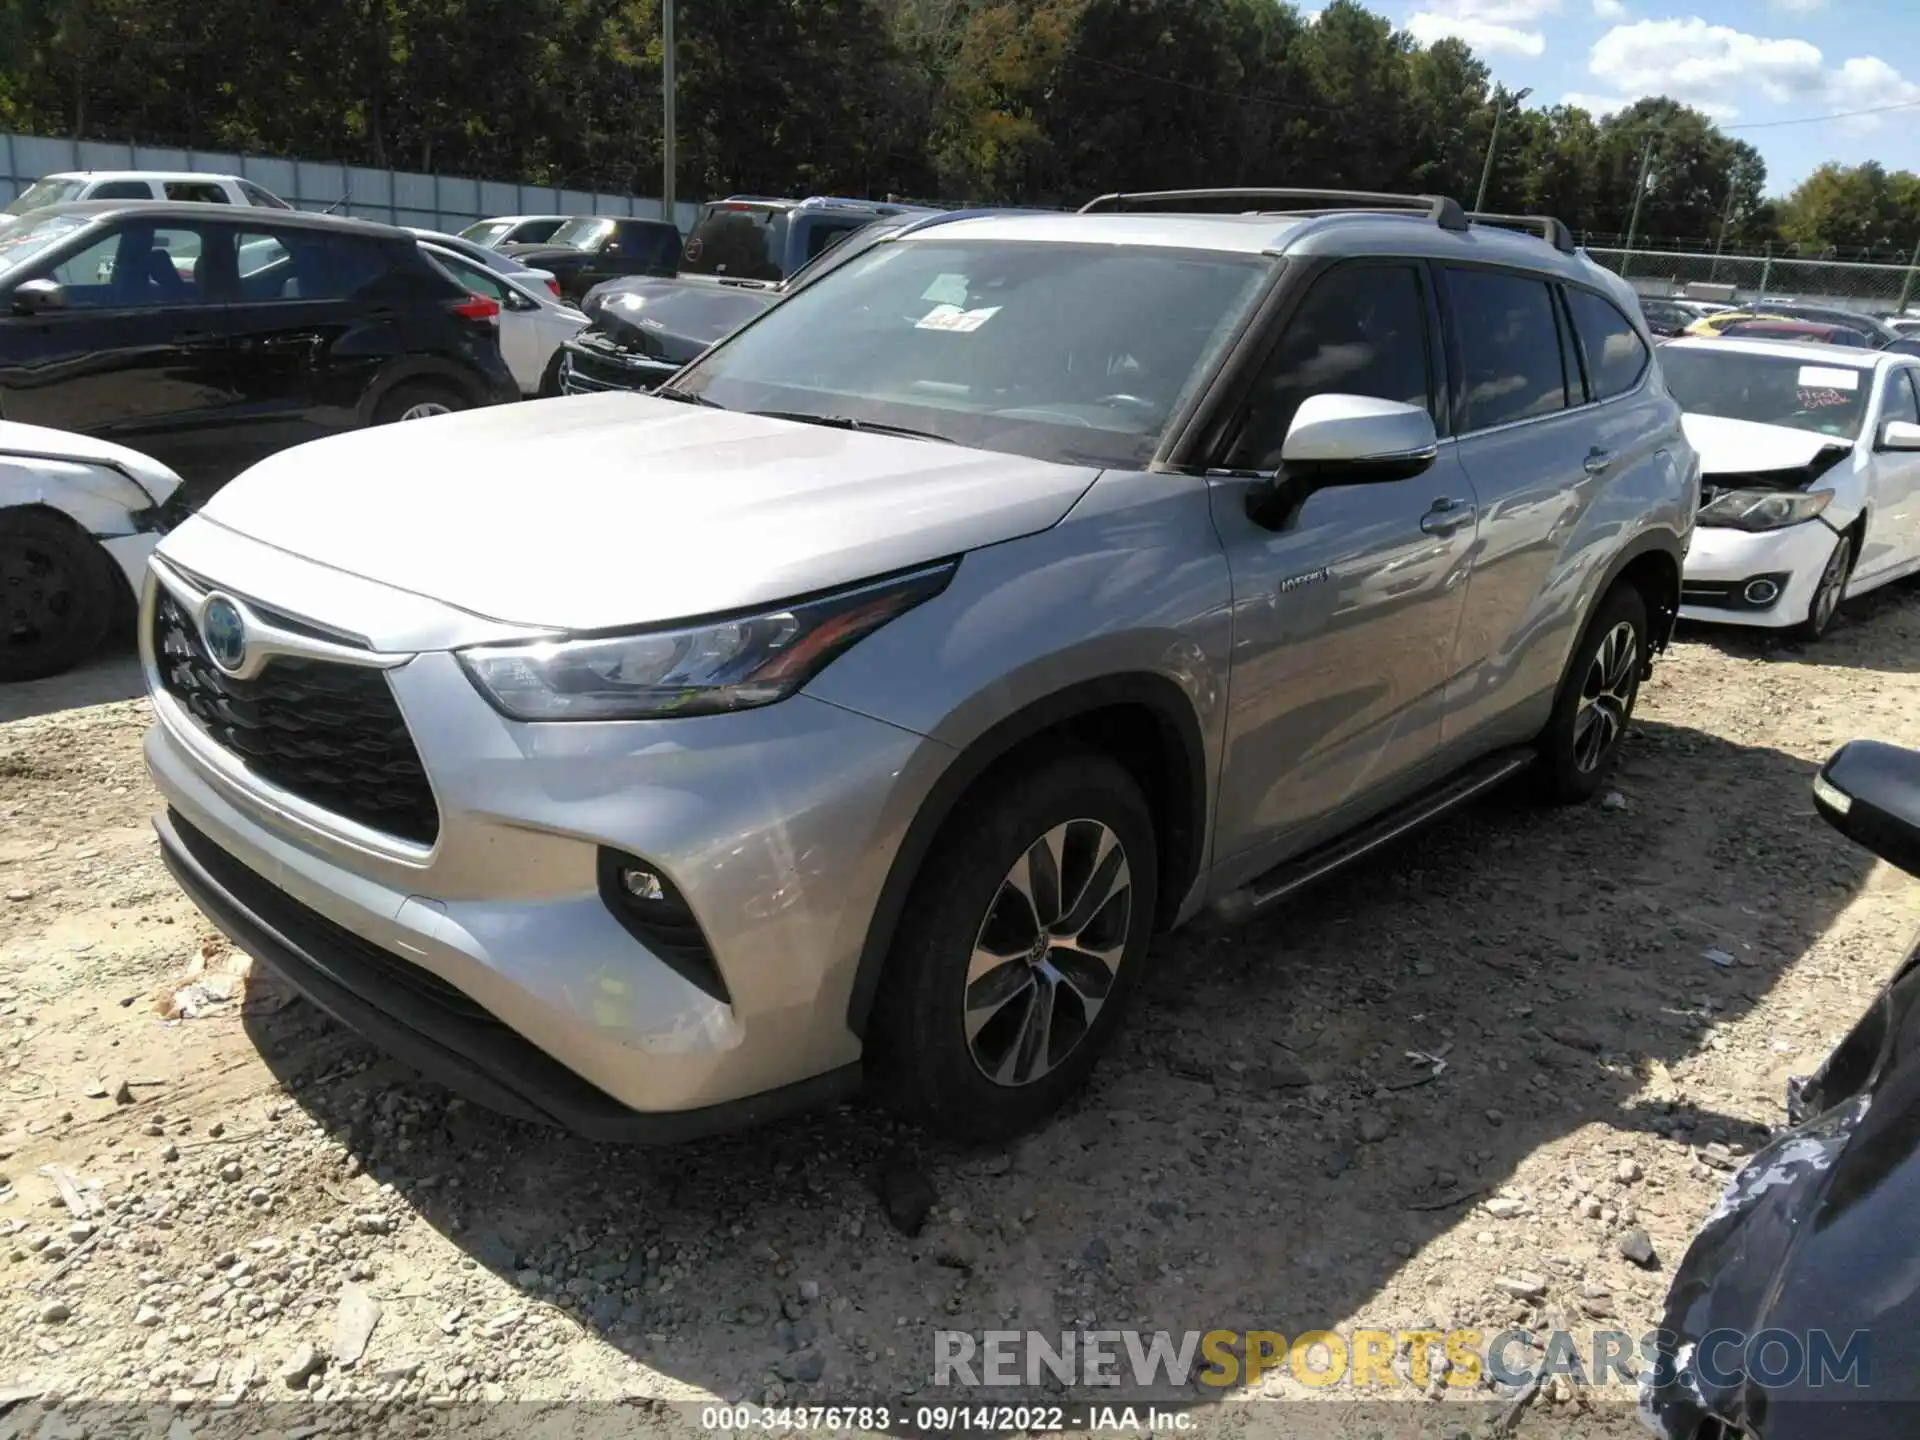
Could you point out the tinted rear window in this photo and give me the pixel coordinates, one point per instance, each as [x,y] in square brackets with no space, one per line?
[746,241]
[1509,347]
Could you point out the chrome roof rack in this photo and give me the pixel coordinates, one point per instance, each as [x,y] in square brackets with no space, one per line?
[1545,226]
[1442,210]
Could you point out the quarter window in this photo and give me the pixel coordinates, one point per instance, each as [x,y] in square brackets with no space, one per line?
[1361,330]
[1510,356]
[1616,356]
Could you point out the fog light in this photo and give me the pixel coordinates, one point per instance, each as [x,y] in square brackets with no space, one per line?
[1761,592]
[642,884]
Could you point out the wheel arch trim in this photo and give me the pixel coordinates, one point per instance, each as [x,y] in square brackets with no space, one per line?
[1158,695]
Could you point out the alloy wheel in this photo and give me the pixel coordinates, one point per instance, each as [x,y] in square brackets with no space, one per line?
[1606,696]
[1048,952]
[420,410]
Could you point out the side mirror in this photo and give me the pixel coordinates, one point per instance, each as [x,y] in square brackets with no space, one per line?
[1900,435]
[1870,793]
[30,297]
[1357,440]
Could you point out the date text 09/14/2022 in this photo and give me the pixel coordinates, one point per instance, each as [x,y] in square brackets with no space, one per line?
[943,1419]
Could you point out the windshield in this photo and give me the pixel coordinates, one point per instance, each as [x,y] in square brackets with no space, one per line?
[45,192]
[1074,353]
[22,241]
[741,241]
[1823,398]
[581,231]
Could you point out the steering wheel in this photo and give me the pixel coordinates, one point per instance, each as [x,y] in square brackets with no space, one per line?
[1137,402]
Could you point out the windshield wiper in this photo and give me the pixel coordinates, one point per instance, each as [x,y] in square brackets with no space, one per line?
[685,397]
[847,422]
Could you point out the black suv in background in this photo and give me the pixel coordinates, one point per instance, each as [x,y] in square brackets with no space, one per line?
[209,339]
[591,249]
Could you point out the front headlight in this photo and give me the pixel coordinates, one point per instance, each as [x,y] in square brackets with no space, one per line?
[1763,509]
[735,663]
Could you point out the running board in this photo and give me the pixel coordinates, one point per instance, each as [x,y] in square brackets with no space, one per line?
[1291,875]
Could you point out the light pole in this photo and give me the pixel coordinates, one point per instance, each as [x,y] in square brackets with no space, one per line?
[1500,101]
[667,84]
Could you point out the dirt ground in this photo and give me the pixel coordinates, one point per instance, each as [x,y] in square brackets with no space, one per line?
[1618,995]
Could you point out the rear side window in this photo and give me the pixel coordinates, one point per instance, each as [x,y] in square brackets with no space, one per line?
[1616,356]
[1510,357]
[1362,330]
[265,199]
[360,266]
[122,190]
[1903,403]
[471,276]
[198,192]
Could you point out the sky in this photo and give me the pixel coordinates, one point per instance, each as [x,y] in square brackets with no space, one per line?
[1750,64]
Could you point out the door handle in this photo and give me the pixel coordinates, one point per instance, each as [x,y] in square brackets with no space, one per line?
[1597,460]
[1447,515]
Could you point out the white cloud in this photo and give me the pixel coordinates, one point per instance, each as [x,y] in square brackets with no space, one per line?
[1800,7]
[1718,69]
[1496,27]
[1609,10]
[1595,105]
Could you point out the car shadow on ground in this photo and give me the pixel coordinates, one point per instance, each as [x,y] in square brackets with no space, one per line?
[1258,1151]
[112,674]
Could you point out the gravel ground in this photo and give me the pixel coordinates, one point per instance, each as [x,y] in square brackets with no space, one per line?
[1618,993]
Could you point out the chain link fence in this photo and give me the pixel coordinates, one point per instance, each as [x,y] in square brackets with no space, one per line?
[397,197]
[1871,289]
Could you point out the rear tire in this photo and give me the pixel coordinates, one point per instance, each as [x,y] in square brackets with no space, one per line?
[58,595]
[1828,593]
[418,400]
[1020,944]
[1595,704]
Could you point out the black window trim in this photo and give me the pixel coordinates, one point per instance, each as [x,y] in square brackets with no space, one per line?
[1221,409]
[1454,359]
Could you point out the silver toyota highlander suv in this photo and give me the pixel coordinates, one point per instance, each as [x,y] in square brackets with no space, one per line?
[859,706]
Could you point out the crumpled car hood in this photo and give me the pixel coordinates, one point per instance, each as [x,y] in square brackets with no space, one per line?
[674,319]
[1744,446]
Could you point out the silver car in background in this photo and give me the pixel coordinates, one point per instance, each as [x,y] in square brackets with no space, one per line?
[858,707]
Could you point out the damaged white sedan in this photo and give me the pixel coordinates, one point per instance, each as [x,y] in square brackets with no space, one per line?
[78,518]
[1810,477]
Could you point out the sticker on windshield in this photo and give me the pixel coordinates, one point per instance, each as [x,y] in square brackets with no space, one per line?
[952,317]
[948,289]
[1822,377]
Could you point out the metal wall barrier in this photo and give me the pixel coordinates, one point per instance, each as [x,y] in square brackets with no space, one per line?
[398,197]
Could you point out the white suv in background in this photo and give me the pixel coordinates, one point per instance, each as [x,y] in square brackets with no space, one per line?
[143,185]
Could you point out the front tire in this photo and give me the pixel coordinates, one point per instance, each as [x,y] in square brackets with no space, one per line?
[1020,945]
[1595,704]
[417,400]
[58,595]
[1828,593]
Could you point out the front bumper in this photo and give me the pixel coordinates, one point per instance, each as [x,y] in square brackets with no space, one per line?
[1723,562]
[775,825]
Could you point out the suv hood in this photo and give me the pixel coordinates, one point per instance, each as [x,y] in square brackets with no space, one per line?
[603,511]
[540,254]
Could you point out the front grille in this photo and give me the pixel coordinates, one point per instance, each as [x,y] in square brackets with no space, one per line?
[587,373]
[330,733]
